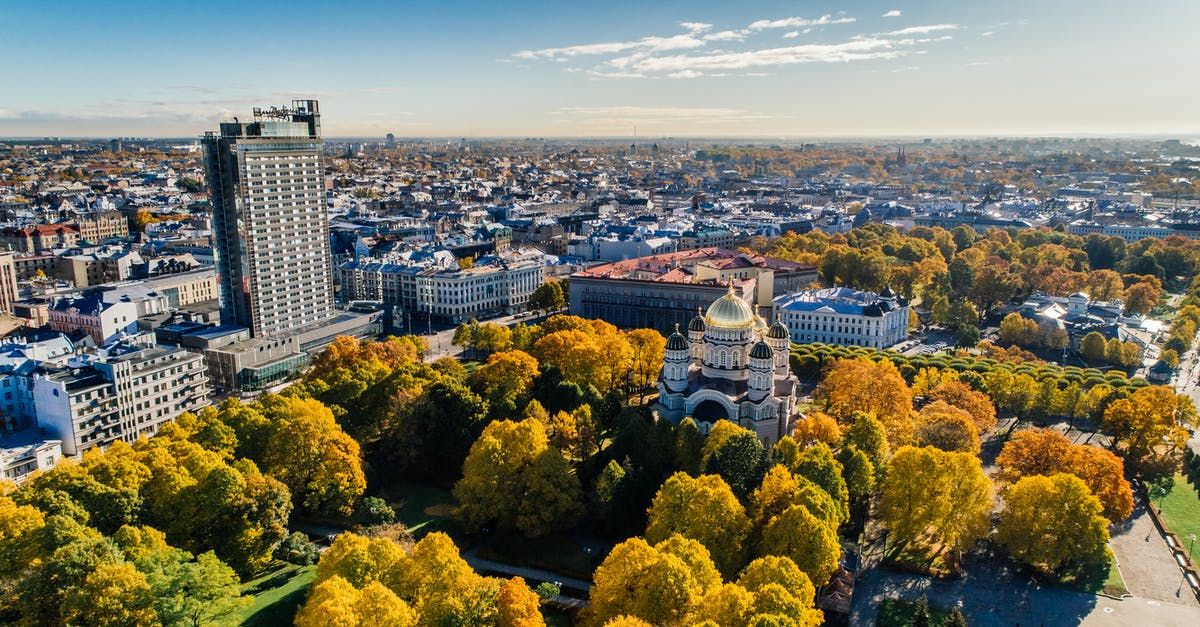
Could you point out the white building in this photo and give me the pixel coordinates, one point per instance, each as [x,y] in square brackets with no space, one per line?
[23,453]
[841,315]
[121,392]
[495,285]
[731,366]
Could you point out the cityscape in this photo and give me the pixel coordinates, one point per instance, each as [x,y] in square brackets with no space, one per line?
[771,315]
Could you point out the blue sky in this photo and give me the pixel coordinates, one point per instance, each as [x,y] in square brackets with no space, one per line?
[559,68]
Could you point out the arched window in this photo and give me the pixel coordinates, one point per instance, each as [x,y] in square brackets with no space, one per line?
[722,359]
[737,358]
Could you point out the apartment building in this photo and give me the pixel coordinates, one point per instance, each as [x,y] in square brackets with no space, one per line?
[845,316]
[120,393]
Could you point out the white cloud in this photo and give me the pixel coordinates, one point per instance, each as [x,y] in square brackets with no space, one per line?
[794,22]
[727,35]
[655,44]
[686,74]
[988,33]
[892,13]
[854,50]
[792,34]
[922,30]
[696,27]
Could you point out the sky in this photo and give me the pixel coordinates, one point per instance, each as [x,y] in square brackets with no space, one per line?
[614,68]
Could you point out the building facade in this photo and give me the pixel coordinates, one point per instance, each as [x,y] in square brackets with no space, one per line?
[35,239]
[98,227]
[8,282]
[730,366]
[653,292]
[270,227]
[841,315]
[122,393]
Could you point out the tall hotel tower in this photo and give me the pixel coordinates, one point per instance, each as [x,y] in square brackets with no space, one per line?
[270,229]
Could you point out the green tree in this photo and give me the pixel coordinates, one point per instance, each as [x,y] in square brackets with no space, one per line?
[739,460]
[434,434]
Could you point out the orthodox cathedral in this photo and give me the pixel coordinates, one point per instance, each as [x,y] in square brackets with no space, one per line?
[731,366]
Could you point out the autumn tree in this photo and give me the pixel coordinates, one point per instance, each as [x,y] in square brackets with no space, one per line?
[960,395]
[936,498]
[312,456]
[1051,522]
[805,539]
[518,605]
[504,382]
[1048,452]
[703,509]
[948,428]
[514,479]
[640,580]
[1153,421]
[817,427]
[875,388]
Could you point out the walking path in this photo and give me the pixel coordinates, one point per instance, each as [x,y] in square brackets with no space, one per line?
[998,599]
[1146,563]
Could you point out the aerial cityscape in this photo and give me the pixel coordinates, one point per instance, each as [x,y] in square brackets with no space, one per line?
[770,314]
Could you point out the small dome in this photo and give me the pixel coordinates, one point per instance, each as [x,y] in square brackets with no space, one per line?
[729,312]
[697,323]
[760,324]
[762,350]
[779,331]
[676,342]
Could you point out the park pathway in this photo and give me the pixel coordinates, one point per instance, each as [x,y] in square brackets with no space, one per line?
[1146,563]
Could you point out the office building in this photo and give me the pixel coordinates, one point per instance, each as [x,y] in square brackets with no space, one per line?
[270,228]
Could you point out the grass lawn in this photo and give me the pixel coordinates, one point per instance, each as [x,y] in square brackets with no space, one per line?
[556,553]
[420,507]
[1105,580]
[920,559]
[1181,511]
[277,595]
[897,613]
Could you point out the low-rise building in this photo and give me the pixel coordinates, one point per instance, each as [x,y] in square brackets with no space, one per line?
[35,239]
[102,320]
[23,453]
[845,316]
[655,291]
[100,226]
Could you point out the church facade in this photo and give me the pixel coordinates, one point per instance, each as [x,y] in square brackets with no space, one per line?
[730,366]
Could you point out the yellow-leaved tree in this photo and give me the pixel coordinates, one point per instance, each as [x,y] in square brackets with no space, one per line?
[515,480]
[1052,522]
[935,499]
[704,509]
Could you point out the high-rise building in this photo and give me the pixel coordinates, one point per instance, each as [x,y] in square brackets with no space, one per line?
[270,228]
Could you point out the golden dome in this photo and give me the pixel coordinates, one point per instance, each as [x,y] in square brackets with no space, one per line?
[729,312]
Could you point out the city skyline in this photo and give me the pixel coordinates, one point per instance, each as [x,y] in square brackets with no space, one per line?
[696,69]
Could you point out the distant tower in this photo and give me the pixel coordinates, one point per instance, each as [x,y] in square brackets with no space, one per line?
[270,229]
[901,157]
[391,139]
